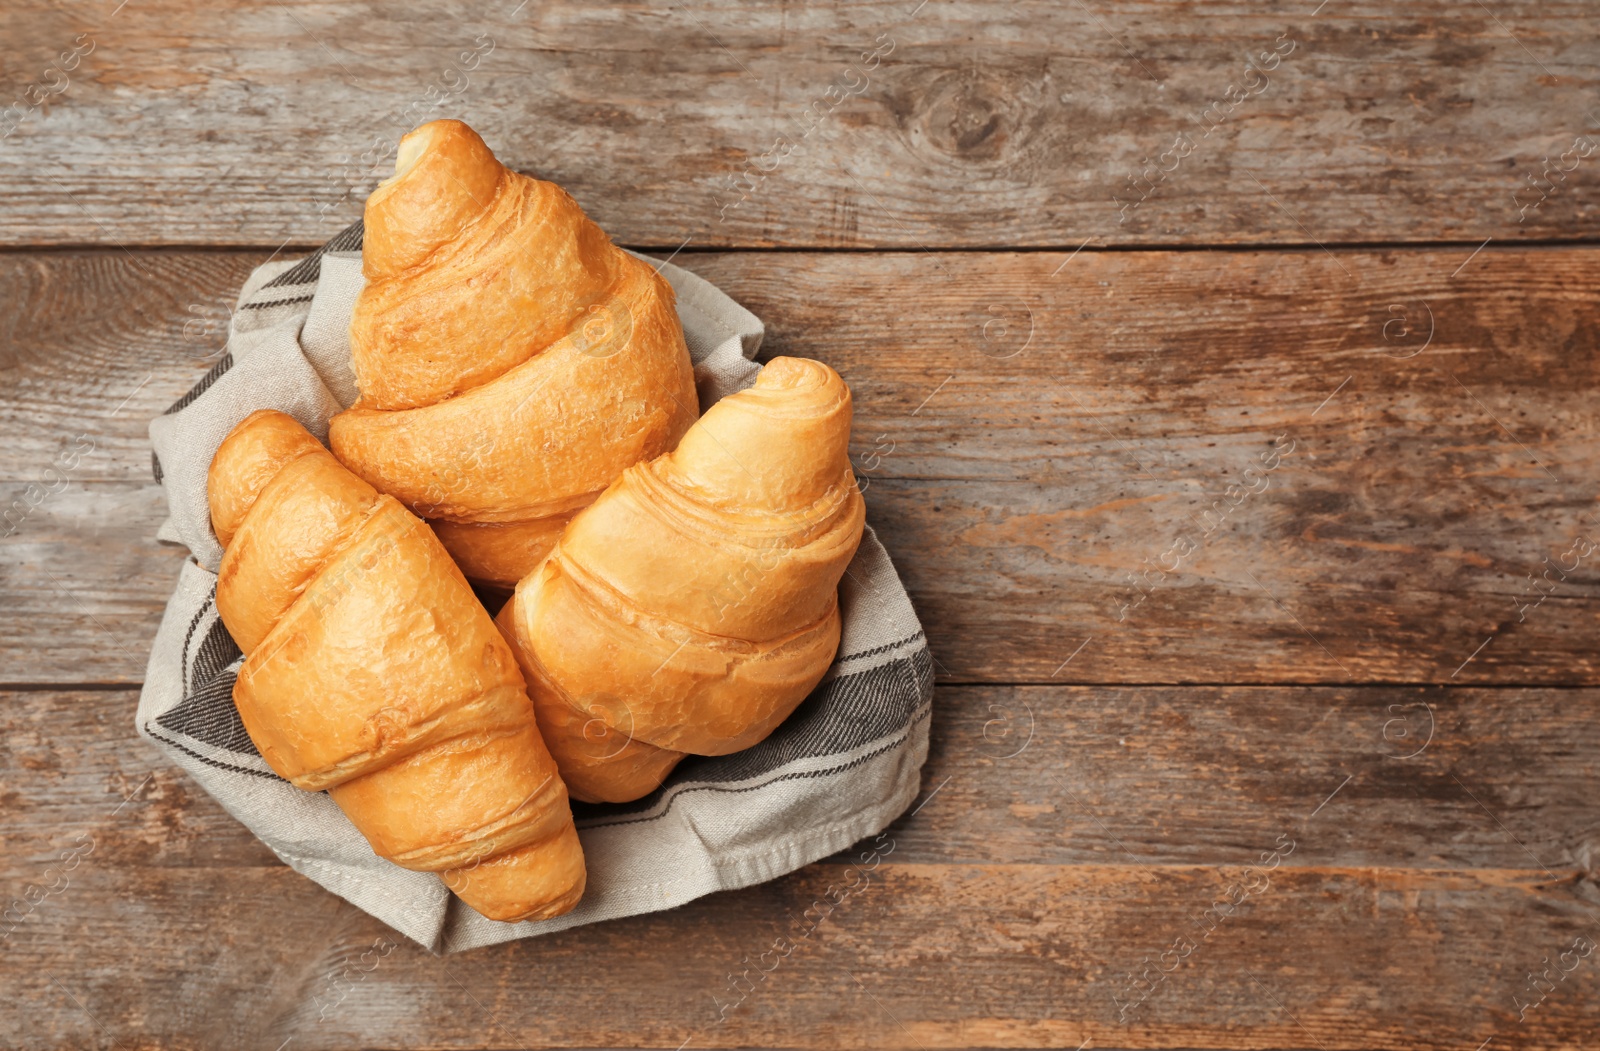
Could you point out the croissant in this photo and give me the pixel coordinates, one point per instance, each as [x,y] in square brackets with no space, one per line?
[511,360]
[695,604]
[372,672]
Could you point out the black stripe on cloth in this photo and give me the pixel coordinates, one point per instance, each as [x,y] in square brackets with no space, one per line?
[278,303]
[925,712]
[309,269]
[208,715]
[206,712]
[223,365]
[841,715]
[155,466]
[347,240]
[212,762]
[188,636]
[304,272]
[877,649]
[217,651]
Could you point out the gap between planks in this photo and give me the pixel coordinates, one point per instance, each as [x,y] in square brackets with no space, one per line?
[1490,245]
[1026,684]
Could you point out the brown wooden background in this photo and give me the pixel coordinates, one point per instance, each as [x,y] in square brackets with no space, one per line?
[1366,261]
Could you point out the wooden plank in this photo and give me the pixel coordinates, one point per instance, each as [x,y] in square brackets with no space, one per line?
[1398,777]
[949,124]
[1018,489]
[1080,452]
[85,582]
[1011,909]
[92,346]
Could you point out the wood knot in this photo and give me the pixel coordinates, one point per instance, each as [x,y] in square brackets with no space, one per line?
[973,115]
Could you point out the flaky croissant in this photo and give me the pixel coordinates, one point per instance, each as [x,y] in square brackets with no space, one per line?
[372,672]
[512,361]
[695,603]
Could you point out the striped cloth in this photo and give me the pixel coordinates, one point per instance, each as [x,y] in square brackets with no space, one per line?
[844,765]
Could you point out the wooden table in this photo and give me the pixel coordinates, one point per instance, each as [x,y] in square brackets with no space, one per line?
[1225,379]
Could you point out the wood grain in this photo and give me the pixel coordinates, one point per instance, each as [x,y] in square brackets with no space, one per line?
[1012,906]
[1042,428]
[980,125]
[1036,430]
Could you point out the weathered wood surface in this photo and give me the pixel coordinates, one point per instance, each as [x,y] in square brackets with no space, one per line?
[1065,835]
[1032,427]
[950,123]
[1035,431]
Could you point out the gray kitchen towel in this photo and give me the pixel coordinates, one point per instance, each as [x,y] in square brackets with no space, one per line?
[843,766]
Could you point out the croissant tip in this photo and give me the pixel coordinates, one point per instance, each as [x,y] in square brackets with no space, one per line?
[786,373]
[414,145]
[444,174]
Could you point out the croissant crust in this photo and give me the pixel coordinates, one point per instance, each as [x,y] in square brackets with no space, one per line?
[695,603]
[511,360]
[372,672]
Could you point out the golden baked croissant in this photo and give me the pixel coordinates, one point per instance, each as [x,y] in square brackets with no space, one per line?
[371,671]
[695,603]
[511,360]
